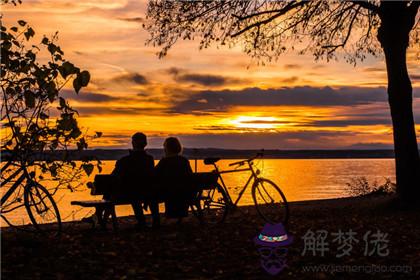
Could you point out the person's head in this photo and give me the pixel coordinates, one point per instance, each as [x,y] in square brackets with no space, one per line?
[139,141]
[172,146]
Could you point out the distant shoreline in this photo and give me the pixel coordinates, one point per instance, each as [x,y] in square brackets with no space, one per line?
[113,154]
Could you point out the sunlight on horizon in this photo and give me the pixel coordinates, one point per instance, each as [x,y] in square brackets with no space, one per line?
[256,122]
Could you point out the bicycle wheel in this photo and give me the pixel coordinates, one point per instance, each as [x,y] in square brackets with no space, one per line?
[42,209]
[212,205]
[270,202]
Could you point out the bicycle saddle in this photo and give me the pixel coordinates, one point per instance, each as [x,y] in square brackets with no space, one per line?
[211,160]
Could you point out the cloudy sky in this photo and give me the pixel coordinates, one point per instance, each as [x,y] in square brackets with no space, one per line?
[214,97]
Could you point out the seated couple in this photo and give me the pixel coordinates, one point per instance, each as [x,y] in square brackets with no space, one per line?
[140,181]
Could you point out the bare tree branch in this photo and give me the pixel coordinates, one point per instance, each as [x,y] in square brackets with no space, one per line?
[349,30]
[279,13]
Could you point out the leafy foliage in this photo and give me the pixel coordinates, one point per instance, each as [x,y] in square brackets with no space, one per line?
[38,125]
[266,29]
[360,186]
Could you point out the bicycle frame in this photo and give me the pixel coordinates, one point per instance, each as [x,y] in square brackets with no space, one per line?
[35,197]
[15,184]
[253,175]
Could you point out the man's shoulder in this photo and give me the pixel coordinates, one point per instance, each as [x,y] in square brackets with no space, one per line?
[149,156]
[124,159]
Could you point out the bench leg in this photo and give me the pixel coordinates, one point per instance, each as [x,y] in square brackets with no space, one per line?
[114,217]
[101,214]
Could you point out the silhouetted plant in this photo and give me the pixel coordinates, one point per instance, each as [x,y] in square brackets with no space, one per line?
[360,186]
[39,127]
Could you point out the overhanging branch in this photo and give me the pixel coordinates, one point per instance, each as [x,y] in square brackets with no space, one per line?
[279,13]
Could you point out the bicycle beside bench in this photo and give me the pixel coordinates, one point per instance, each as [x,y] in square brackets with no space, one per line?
[269,200]
[212,201]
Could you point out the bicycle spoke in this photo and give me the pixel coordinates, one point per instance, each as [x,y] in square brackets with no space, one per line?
[42,209]
[40,205]
[213,205]
[270,202]
[259,191]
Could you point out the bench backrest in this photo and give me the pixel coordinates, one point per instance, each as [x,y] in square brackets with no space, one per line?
[106,184]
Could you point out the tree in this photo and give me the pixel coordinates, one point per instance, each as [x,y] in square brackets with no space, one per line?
[267,29]
[38,124]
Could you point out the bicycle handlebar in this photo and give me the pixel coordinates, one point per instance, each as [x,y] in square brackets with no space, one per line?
[242,162]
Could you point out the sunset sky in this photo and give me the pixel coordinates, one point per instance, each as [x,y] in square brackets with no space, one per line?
[215,97]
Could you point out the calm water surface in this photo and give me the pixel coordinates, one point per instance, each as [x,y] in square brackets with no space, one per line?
[299,179]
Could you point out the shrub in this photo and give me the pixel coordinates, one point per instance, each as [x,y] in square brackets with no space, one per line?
[360,186]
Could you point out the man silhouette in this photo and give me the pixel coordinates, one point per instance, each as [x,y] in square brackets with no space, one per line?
[135,172]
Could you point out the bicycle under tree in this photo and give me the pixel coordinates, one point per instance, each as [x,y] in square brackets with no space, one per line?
[215,201]
[39,203]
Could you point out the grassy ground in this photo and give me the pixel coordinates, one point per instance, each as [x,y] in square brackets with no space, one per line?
[227,251]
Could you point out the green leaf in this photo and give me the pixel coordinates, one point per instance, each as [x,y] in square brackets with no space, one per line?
[22,22]
[75,133]
[67,122]
[29,33]
[63,103]
[59,50]
[31,55]
[58,57]
[82,144]
[88,168]
[52,89]
[29,99]
[77,84]
[51,96]
[16,43]
[6,45]
[67,69]
[52,48]
[84,78]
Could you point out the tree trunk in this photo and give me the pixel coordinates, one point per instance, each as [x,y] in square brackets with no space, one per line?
[393,35]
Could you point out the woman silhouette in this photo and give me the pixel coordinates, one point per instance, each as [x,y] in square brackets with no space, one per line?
[174,171]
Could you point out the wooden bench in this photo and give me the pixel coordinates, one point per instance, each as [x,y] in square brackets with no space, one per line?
[107,186]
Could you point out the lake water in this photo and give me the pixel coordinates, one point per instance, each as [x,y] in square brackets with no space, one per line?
[299,179]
